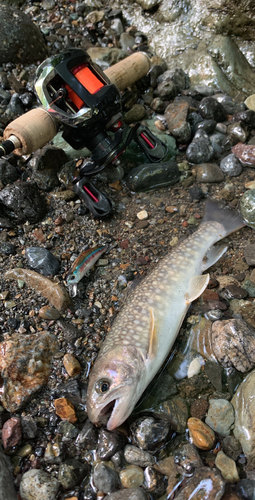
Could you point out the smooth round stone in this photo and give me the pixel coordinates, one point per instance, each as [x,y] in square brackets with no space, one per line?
[227,467]
[136,456]
[250,102]
[148,433]
[220,416]
[201,434]
[105,478]
[38,484]
[211,109]
[132,477]
[25,451]
[42,260]
[247,207]
[230,165]
[50,313]
[209,172]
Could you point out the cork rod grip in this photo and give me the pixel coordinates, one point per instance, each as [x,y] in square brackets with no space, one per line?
[129,70]
[33,129]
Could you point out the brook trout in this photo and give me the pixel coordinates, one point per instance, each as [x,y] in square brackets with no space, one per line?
[145,329]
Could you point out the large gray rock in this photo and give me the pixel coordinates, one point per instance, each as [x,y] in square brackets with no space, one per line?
[208,40]
[7,490]
[20,39]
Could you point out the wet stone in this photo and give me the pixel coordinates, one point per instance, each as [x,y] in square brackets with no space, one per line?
[230,165]
[8,173]
[135,114]
[23,202]
[220,416]
[131,477]
[238,131]
[7,248]
[249,287]
[37,484]
[68,430]
[227,467]
[235,291]
[187,459]
[87,437]
[109,443]
[211,109]
[70,332]
[201,434]
[245,488]
[11,432]
[49,313]
[233,343]
[25,367]
[205,483]
[71,473]
[176,117]
[46,163]
[65,409]
[243,403]
[136,456]
[105,479]
[207,125]
[71,364]
[214,372]
[209,172]
[217,140]
[200,150]
[231,447]
[154,482]
[42,260]
[153,175]
[148,433]
[245,154]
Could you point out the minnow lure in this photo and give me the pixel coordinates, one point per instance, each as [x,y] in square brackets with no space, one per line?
[84,262]
[144,331]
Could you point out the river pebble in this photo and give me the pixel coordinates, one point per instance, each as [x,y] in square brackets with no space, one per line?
[220,416]
[247,207]
[131,477]
[233,343]
[249,254]
[200,149]
[42,260]
[202,436]
[71,473]
[243,403]
[205,483]
[71,364]
[25,367]
[245,154]
[176,117]
[109,443]
[227,467]
[152,175]
[29,427]
[127,494]
[148,433]
[136,456]
[23,202]
[11,432]
[37,484]
[154,482]
[105,478]
[230,165]
[208,172]
[211,109]
[65,409]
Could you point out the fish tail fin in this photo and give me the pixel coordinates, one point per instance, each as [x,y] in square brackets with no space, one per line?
[231,220]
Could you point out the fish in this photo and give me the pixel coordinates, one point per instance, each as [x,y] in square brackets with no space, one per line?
[84,262]
[146,327]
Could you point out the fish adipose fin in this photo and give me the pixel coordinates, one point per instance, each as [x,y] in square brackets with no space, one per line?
[197,285]
[213,255]
[230,220]
[152,339]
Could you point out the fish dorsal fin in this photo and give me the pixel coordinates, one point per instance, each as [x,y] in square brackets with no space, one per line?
[197,285]
[152,336]
[213,255]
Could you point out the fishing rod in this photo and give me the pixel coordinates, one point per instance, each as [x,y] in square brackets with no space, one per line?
[86,102]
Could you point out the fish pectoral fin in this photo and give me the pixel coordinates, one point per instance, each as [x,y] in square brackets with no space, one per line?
[152,337]
[213,255]
[197,285]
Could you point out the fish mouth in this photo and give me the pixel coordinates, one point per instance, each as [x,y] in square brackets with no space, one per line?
[114,413]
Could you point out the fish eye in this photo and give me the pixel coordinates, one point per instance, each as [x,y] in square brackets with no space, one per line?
[102,386]
[71,278]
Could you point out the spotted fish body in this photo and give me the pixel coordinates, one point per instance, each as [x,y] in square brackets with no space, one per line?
[84,262]
[146,328]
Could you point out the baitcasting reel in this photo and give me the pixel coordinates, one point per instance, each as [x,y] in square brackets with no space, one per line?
[76,92]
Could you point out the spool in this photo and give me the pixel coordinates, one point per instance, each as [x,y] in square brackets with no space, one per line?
[37,127]
[33,130]
[129,70]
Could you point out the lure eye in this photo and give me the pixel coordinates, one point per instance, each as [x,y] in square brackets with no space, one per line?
[102,386]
